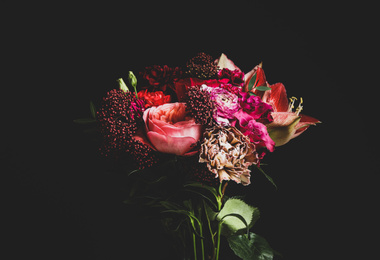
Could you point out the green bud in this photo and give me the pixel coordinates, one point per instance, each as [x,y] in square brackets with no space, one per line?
[122,85]
[132,79]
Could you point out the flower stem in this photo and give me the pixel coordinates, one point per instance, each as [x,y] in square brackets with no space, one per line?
[195,246]
[218,245]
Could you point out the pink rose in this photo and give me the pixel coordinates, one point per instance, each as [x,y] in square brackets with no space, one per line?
[171,130]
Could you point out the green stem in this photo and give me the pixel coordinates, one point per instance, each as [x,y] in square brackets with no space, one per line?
[218,245]
[194,246]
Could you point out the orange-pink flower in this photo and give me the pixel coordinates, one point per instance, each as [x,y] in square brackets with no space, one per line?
[171,130]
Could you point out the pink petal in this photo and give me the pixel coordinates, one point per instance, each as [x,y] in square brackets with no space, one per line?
[172,145]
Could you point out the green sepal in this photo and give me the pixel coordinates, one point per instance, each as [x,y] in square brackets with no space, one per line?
[237,217]
[251,247]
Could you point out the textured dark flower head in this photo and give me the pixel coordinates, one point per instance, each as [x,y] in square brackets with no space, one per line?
[202,66]
[200,105]
[161,78]
[117,120]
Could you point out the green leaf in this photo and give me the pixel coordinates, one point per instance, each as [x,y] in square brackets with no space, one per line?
[251,247]
[266,175]
[237,216]
[85,121]
[263,88]
[252,82]
[92,110]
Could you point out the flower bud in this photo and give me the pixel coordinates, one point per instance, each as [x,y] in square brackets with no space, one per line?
[132,79]
[122,85]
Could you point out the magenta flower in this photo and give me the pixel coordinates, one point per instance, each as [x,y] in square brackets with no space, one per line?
[256,131]
[227,104]
[255,107]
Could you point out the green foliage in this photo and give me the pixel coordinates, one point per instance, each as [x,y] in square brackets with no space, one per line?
[237,216]
[263,88]
[252,82]
[251,247]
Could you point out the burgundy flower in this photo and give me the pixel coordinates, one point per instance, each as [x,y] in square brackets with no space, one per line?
[200,105]
[118,117]
[202,66]
[234,77]
[162,77]
[117,121]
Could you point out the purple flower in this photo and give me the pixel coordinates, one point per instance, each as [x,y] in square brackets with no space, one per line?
[256,108]
[227,104]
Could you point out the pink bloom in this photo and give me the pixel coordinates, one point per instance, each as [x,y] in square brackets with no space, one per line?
[227,104]
[257,132]
[170,130]
[255,107]
[286,124]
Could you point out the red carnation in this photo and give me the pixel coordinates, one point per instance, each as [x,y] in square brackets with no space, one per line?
[151,99]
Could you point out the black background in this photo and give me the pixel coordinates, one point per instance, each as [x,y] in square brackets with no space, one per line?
[61,201]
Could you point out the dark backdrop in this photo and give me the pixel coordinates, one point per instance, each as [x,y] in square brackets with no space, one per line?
[63,203]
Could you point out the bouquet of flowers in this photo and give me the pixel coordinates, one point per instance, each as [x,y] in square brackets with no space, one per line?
[184,134]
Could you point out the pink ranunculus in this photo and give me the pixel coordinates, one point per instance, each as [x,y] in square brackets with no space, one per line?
[227,104]
[170,130]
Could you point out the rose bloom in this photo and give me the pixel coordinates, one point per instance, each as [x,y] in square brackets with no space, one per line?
[227,104]
[151,99]
[171,130]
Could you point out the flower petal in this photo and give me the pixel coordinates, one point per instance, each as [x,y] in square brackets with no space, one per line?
[277,98]
[225,63]
[172,145]
[283,127]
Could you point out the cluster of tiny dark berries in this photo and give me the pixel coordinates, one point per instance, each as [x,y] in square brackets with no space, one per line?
[118,125]
[202,66]
[200,106]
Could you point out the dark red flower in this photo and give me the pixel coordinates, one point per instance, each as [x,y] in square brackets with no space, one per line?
[234,77]
[162,77]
